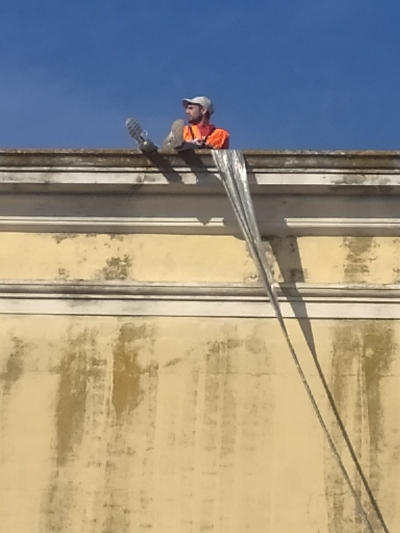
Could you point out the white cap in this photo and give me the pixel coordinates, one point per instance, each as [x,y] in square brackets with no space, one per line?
[200,100]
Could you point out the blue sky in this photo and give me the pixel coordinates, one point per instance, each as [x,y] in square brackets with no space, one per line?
[283,74]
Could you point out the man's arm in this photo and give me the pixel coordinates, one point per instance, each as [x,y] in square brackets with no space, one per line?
[218,139]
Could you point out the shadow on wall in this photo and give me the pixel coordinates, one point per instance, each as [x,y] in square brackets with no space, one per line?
[287,255]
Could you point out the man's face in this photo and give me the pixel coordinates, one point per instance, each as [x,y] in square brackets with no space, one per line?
[194,113]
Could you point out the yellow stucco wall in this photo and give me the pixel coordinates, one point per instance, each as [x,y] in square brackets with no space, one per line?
[197,258]
[157,407]
[122,425]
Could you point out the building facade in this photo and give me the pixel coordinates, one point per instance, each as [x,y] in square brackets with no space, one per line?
[145,384]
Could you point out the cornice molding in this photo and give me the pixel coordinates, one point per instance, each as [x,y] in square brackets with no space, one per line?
[111,191]
[198,300]
[69,170]
[193,226]
[366,159]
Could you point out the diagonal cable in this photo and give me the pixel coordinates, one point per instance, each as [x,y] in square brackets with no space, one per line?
[233,174]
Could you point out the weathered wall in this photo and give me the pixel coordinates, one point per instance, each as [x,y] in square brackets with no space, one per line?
[145,386]
[124,425]
[197,258]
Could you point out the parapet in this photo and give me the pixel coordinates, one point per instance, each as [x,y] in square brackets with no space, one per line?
[295,192]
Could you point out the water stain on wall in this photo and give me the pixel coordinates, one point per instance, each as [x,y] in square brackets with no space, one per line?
[78,367]
[12,373]
[217,355]
[127,370]
[220,360]
[219,390]
[363,352]
[75,370]
[359,255]
[396,270]
[60,237]
[63,274]
[219,419]
[133,341]
[14,366]
[286,253]
[172,362]
[116,268]
[379,350]
[237,406]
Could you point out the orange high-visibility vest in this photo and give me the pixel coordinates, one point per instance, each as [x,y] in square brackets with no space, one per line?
[217,138]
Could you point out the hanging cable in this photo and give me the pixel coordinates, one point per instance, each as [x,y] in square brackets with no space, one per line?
[232,168]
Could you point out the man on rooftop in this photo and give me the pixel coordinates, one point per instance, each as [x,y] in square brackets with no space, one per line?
[199,132]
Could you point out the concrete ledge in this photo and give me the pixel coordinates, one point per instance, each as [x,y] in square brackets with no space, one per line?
[213,300]
[295,193]
[279,172]
[359,159]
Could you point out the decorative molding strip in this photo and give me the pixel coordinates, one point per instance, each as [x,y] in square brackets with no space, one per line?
[120,191]
[191,225]
[284,159]
[212,300]
[320,181]
[199,290]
